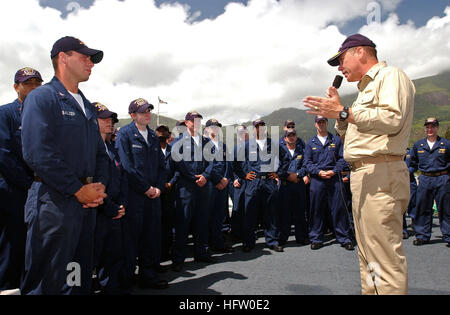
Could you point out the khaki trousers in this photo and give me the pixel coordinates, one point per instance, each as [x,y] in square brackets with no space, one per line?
[380,196]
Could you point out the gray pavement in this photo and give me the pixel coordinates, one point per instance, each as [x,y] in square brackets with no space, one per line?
[330,270]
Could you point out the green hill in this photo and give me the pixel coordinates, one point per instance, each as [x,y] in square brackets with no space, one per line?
[432,100]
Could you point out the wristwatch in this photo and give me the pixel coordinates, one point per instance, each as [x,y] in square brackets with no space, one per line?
[343,115]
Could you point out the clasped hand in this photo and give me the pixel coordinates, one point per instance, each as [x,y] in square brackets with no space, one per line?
[91,195]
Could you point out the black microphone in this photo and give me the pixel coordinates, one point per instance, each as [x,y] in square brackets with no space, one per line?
[337,81]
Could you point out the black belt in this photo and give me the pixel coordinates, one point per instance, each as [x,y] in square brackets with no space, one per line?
[84,180]
[263,176]
[435,174]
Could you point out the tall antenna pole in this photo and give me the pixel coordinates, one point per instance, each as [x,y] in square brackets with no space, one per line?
[157,115]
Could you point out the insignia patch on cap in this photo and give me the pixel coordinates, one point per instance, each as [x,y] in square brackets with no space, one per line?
[140,101]
[28,71]
[100,107]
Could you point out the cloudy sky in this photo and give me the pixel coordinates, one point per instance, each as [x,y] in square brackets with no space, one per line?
[232,60]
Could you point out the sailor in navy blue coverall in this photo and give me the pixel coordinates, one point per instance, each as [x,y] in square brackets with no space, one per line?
[412,199]
[293,178]
[239,185]
[288,125]
[261,193]
[143,161]
[346,191]
[324,162]
[167,195]
[15,180]
[109,247]
[434,182]
[61,142]
[196,175]
[219,193]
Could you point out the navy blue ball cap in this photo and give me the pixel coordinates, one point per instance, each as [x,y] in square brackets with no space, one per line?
[25,74]
[241,128]
[354,40]
[289,122]
[69,43]
[432,121]
[139,105]
[162,128]
[290,131]
[320,118]
[192,115]
[258,122]
[103,112]
[213,122]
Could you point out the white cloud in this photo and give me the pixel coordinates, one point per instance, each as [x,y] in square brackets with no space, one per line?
[245,63]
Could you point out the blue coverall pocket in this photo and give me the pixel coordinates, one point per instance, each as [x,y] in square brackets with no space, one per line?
[51,217]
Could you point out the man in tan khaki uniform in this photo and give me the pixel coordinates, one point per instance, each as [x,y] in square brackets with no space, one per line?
[376,130]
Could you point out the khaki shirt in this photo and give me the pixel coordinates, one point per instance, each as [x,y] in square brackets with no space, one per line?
[383,115]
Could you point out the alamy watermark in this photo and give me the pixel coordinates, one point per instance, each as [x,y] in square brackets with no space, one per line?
[375,12]
[73,7]
[74,277]
[234,140]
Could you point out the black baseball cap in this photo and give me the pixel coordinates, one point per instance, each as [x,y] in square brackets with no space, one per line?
[213,122]
[241,128]
[319,118]
[161,128]
[289,132]
[69,43]
[192,115]
[258,122]
[25,74]
[103,112]
[354,40]
[432,121]
[289,122]
[139,105]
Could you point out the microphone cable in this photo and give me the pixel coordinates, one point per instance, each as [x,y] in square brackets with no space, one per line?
[341,189]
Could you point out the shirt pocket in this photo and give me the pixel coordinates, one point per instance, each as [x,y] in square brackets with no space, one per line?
[138,152]
[366,100]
